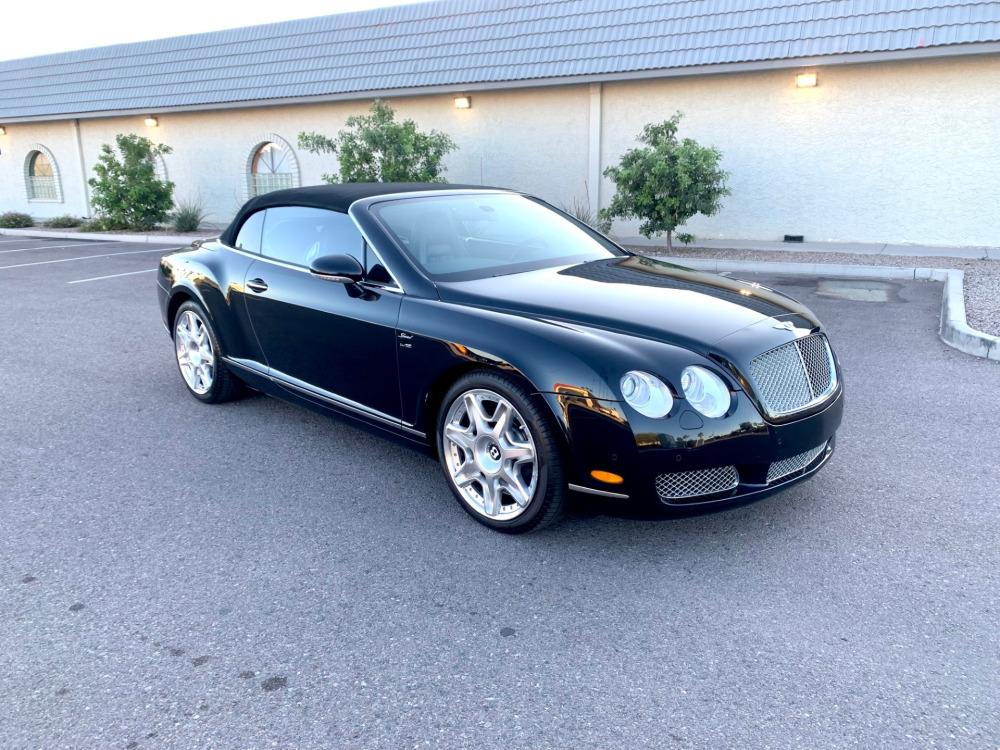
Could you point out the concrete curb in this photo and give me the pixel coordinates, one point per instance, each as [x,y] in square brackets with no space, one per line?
[976,252]
[156,239]
[954,331]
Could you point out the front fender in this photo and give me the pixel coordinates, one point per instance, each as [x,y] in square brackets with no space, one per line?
[571,364]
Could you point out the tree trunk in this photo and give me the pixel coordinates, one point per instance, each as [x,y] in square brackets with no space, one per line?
[670,241]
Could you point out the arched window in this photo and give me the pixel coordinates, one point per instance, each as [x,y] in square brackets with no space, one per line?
[272,166]
[41,175]
[160,168]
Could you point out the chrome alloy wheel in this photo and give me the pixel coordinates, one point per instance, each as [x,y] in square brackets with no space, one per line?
[490,454]
[194,352]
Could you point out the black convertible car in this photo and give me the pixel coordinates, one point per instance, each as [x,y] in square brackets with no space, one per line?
[532,354]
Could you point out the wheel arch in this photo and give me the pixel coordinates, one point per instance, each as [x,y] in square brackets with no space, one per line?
[438,389]
[177,298]
[184,293]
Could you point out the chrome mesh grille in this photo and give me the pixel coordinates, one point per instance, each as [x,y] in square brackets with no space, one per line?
[781,469]
[678,485]
[794,375]
[818,361]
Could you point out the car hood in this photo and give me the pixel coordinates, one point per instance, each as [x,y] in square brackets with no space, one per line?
[635,295]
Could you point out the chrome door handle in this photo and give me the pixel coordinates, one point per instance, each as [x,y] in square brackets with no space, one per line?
[257,285]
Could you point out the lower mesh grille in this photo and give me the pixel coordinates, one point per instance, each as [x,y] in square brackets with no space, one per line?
[781,469]
[679,485]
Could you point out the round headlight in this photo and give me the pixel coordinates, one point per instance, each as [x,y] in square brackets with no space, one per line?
[705,391]
[646,394]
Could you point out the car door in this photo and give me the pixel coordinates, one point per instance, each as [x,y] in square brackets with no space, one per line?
[328,340]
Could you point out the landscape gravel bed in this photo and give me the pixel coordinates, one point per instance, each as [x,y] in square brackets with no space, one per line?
[982,277]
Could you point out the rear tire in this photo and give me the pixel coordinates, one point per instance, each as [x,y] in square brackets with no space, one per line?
[499,449]
[199,357]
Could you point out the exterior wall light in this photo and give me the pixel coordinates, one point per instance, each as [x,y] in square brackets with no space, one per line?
[3,130]
[463,102]
[806,80]
[152,122]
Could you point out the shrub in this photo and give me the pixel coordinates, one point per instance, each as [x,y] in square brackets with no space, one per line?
[580,210]
[188,216]
[15,220]
[377,148]
[64,222]
[98,225]
[685,238]
[126,191]
[666,182]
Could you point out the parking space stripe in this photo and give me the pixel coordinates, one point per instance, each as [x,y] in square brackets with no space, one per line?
[86,257]
[111,276]
[53,247]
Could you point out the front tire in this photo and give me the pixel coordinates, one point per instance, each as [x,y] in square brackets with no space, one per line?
[500,453]
[199,357]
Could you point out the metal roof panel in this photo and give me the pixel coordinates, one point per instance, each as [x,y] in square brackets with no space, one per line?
[455,42]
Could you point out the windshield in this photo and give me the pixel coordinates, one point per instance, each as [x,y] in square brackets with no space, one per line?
[462,237]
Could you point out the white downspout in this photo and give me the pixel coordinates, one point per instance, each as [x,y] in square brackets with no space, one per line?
[78,140]
[594,149]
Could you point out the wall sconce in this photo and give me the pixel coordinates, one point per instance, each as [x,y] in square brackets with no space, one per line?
[152,122]
[463,102]
[3,130]
[806,80]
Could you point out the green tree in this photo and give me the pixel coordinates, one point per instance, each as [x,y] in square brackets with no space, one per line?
[667,181]
[378,148]
[127,194]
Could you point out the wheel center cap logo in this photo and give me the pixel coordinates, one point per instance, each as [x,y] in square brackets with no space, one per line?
[494,451]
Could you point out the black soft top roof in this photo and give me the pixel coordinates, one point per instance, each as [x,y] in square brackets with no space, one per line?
[334,197]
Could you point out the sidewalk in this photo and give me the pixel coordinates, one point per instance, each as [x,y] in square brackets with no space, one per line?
[153,238]
[851,248]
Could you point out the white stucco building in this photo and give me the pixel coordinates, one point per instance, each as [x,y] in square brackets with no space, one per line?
[898,142]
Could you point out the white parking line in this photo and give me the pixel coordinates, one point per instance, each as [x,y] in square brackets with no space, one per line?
[51,247]
[112,276]
[86,257]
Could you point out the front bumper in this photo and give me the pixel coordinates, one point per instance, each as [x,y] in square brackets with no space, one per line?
[736,453]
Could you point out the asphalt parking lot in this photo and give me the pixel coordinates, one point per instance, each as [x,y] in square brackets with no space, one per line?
[252,575]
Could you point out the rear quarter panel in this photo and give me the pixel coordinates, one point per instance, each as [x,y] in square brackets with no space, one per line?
[213,275]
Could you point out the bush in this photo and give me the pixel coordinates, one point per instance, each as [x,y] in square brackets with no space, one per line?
[685,238]
[376,148]
[126,191]
[64,222]
[15,220]
[98,225]
[188,216]
[666,182]
[580,210]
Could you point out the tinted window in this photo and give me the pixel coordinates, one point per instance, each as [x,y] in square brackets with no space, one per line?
[458,237]
[298,235]
[249,237]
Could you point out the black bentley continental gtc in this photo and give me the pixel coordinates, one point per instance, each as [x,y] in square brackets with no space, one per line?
[533,355]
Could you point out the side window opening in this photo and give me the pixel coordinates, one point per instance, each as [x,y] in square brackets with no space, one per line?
[298,235]
[250,233]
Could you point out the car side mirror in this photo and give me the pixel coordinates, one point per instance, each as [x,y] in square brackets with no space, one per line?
[341,268]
